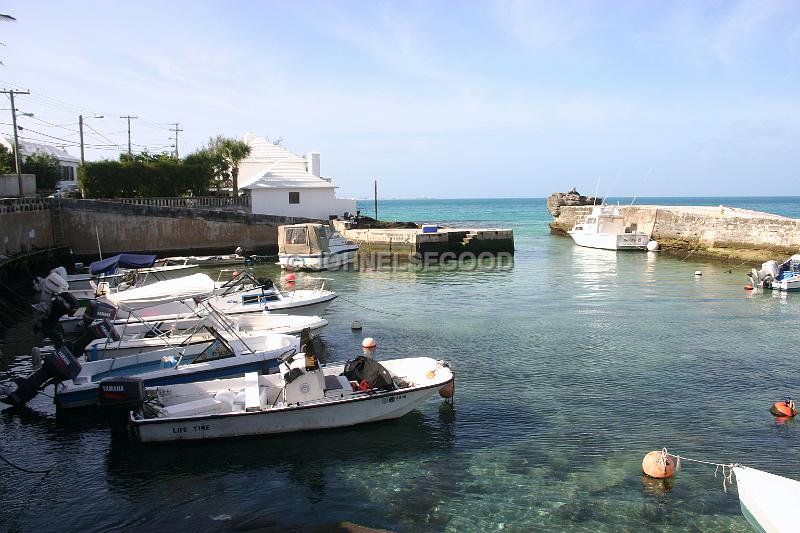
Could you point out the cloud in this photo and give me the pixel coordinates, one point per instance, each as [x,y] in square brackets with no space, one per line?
[541,24]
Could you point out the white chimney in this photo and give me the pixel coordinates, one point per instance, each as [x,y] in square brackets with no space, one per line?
[313,163]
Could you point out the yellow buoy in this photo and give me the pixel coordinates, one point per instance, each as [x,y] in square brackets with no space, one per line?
[658,465]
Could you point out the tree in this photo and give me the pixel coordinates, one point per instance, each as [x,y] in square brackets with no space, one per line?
[6,18]
[234,152]
[7,164]
[46,167]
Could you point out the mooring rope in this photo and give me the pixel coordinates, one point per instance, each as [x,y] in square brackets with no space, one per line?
[369,308]
[726,478]
[21,469]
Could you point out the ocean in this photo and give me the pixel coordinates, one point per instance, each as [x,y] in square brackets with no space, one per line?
[571,364]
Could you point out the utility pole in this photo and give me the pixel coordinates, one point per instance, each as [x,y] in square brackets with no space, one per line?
[129,117]
[11,93]
[80,129]
[176,130]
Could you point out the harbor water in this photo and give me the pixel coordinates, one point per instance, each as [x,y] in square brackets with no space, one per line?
[571,364]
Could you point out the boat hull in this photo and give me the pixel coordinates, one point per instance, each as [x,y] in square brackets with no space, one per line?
[763,498]
[349,412]
[611,241]
[324,261]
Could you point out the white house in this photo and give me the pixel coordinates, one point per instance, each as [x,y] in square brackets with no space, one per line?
[283,183]
[69,165]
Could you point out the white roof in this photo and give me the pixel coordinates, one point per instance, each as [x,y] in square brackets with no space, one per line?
[284,169]
[27,148]
[171,290]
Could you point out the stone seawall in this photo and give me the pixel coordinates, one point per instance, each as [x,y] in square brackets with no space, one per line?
[165,230]
[724,232]
[25,225]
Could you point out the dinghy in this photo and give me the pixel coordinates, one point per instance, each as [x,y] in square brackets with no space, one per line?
[767,500]
[302,396]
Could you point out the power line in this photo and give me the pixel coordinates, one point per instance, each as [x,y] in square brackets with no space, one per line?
[129,117]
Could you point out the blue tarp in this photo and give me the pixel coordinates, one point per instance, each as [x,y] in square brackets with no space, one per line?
[107,266]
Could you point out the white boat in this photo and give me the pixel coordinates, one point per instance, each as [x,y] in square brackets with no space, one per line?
[302,396]
[605,228]
[220,358]
[130,269]
[191,333]
[207,260]
[779,277]
[313,247]
[767,500]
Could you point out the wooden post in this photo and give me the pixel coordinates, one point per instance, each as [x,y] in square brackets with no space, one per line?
[376,200]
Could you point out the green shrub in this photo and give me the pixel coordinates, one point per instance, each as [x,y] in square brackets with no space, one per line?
[46,167]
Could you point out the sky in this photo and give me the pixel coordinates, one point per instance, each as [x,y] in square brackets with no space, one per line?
[444,99]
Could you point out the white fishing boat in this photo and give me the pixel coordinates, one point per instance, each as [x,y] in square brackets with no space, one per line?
[779,277]
[313,247]
[302,396]
[605,228]
[191,333]
[767,499]
[207,260]
[128,270]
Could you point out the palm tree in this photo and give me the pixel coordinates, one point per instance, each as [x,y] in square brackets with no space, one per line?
[234,152]
[6,18]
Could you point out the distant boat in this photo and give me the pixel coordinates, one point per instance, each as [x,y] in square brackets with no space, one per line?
[779,277]
[313,247]
[767,500]
[605,228]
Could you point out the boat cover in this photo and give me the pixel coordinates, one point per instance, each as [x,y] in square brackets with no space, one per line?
[764,498]
[302,239]
[107,266]
[172,290]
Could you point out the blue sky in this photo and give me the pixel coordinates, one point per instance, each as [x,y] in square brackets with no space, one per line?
[440,99]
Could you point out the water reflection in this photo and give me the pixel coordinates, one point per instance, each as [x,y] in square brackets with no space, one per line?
[592,269]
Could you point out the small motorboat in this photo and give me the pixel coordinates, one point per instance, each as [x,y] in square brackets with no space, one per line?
[313,247]
[779,277]
[764,498]
[302,396]
[605,228]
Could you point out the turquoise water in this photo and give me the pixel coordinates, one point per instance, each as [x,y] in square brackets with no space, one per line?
[570,367]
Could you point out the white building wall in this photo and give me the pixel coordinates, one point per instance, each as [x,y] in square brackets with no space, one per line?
[314,203]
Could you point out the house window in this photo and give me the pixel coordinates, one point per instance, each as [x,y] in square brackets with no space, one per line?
[294,197]
[68,173]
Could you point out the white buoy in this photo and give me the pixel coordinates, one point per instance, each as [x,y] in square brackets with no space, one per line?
[698,272]
[355,325]
[36,357]
[653,246]
[369,342]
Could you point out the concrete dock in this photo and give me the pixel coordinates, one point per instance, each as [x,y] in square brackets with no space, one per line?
[718,231]
[411,241]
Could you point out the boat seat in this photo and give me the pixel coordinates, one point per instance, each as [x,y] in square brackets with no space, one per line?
[333,383]
[205,406]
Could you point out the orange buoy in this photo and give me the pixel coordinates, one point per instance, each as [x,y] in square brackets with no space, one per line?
[748,287]
[290,277]
[659,465]
[784,408]
[369,342]
[448,390]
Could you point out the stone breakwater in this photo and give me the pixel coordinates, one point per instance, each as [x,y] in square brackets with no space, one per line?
[722,232]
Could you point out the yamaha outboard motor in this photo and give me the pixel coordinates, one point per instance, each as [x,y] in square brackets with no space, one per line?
[118,397]
[98,310]
[57,366]
[99,329]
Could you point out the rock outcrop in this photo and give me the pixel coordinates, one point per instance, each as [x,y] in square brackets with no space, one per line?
[573,197]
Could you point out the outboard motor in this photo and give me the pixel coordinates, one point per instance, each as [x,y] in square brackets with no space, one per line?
[99,329]
[265,283]
[58,306]
[57,366]
[120,396]
[98,310]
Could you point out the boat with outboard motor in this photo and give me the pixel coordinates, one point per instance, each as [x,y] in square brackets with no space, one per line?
[605,228]
[302,396]
[313,247]
[242,295]
[208,353]
[779,277]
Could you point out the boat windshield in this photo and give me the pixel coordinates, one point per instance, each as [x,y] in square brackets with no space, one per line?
[218,349]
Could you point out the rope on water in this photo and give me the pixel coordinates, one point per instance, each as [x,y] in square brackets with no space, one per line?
[21,469]
[727,478]
[369,308]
